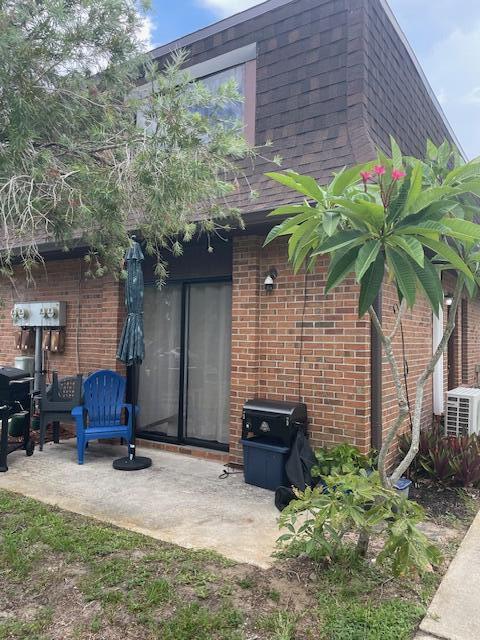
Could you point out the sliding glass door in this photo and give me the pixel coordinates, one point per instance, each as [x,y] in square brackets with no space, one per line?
[207,383]
[185,378]
[159,381]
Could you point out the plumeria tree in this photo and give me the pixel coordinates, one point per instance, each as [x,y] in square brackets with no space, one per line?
[399,220]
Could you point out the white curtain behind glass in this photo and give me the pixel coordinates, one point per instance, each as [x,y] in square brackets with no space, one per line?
[208,374]
[160,371]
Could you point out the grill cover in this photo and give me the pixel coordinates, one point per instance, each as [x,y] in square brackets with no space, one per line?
[274,420]
[10,393]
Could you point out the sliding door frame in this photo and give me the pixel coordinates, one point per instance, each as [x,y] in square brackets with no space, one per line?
[181,438]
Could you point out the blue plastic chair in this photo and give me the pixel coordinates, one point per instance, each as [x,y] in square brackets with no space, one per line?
[100,416]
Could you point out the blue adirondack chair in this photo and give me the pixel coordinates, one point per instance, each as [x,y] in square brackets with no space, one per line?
[100,416]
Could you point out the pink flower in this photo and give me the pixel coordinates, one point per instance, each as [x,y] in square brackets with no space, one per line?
[366,175]
[397,174]
[379,169]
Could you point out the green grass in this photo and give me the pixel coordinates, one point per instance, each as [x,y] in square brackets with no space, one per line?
[166,592]
[280,624]
[246,583]
[32,630]
[195,622]
[389,620]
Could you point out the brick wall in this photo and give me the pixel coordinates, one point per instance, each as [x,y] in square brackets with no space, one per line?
[267,332]
[416,353]
[334,379]
[94,316]
[417,331]
[472,342]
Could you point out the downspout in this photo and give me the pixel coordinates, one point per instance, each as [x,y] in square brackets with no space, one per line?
[437,333]
[376,377]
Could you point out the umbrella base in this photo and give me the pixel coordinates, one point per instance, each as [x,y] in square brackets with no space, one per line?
[135,464]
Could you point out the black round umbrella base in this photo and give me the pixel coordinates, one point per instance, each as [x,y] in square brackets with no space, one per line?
[125,464]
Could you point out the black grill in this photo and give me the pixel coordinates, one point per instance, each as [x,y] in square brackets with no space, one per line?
[14,386]
[278,421]
[14,401]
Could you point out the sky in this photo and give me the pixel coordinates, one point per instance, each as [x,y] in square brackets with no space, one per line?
[445,35]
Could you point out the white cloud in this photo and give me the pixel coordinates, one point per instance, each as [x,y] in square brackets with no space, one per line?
[473,97]
[224,8]
[446,38]
[451,66]
[145,32]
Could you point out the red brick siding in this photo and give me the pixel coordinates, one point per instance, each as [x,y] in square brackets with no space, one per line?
[245,332]
[94,309]
[335,375]
[473,341]
[417,327]
[417,332]
[266,339]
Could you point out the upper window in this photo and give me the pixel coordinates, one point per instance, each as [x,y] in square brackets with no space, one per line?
[240,65]
[245,76]
[233,111]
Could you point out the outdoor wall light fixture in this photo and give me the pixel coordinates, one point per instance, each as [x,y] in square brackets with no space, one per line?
[448,299]
[270,277]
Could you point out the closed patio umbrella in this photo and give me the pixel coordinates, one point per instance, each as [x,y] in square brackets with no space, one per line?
[131,349]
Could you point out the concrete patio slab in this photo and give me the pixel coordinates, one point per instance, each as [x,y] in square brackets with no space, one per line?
[454,611]
[179,499]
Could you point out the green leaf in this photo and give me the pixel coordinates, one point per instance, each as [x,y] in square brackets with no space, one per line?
[463,229]
[286,227]
[371,284]
[471,287]
[445,251]
[301,254]
[342,239]
[427,228]
[331,220]
[428,196]
[397,206]
[472,186]
[340,266]
[346,177]
[403,273]
[302,234]
[432,151]
[463,173]
[368,212]
[433,213]
[366,256]
[415,185]
[411,246]
[430,283]
[397,159]
[292,208]
[305,185]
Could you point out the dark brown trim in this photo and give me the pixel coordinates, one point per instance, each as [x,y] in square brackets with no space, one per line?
[376,386]
[250,100]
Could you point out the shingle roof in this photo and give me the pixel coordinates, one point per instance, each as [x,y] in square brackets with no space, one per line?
[334,79]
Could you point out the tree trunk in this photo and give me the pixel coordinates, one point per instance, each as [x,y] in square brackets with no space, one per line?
[403,409]
[362,543]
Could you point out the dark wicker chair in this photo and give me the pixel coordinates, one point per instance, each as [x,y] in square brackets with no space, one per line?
[57,402]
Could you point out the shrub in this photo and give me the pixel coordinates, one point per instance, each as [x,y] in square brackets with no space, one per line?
[448,460]
[343,458]
[318,520]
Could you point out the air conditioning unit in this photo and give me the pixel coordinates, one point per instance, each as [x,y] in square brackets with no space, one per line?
[462,412]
